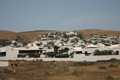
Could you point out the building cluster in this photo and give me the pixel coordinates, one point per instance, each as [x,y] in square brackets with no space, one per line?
[104,39]
[62,43]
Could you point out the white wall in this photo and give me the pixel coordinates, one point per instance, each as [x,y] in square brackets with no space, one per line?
[4,63]
[12,53]
[77,58]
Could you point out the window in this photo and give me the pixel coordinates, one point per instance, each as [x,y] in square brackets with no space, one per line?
[2,54]
[117,52]
[79,52]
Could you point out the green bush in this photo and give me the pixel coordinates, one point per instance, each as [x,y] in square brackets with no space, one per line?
[105,52]
[114,59]
[51,54]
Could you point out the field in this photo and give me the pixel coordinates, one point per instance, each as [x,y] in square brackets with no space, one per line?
[39,70]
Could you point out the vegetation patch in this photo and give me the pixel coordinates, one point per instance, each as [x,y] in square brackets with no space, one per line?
[105,52]
[102,67]
[51,54]
[113,66]
[84,63]
[110,78]
[62,56]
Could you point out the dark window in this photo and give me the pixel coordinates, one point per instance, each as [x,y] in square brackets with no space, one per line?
[29,51]
[117,52]
[107,44]
[79,52]
[38,44]
[12,64]
[2,53]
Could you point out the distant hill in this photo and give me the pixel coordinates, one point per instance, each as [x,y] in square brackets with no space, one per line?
[33,35]
[86,33]
[27,36]
[8,35]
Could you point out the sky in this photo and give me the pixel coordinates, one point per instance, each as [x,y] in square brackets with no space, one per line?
[63,15]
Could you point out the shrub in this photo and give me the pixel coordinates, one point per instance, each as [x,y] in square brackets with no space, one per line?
[75,72]
[41,60]
[33,55]
[105,52]
[51,54]
[113,66]
[80,36]
[114,59]
[109,78]
[47,74]
[102,67]
[7,71]
[62,56]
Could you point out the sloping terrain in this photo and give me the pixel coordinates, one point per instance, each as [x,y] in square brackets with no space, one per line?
[7,35]
[33,35]
[28,36]
[86,33]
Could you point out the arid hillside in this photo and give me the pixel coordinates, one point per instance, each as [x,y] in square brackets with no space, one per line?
[28,36]
[7,35]
[33,35]
[86,33]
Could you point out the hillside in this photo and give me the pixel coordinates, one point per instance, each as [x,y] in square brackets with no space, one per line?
[27,36]
[30,36]
[33,35]
[7,35]
[86,33]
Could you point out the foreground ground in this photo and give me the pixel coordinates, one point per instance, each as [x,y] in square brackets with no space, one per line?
[39,70]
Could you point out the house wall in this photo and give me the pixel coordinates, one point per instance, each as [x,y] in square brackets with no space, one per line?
[12,53]
[89,50]
[117,50]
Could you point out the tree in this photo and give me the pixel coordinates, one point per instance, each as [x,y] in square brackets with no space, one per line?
[80,36]
[56,49]
[15,43]
[25,43]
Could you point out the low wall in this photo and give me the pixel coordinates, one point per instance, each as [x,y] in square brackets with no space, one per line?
[77,58]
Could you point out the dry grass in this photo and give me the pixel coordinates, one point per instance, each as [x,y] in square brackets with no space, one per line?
[37,70]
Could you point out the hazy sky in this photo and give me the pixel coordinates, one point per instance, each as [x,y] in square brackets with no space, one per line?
[25,15]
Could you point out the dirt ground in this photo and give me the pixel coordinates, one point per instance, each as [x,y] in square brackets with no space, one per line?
[39,70]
